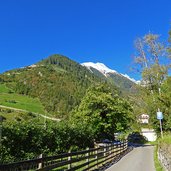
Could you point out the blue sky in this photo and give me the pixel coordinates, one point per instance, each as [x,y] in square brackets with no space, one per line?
[84,30]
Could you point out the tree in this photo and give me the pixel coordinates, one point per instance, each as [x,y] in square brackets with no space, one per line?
[104,111]
[28,139]
[150,59]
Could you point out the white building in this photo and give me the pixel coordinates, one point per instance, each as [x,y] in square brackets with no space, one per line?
[150,134]
[144,118]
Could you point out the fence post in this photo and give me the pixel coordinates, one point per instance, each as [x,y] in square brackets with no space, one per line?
[113,150]
[40,165]
[87,155]
[96,152]
[69,159]
[96,157]
[120,148]
[104,150]
[123,144]
[126,141]
[110,149]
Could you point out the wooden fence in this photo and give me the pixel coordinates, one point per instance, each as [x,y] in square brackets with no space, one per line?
[89,159]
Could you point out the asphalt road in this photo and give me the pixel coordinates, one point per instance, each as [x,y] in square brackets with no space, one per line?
[139,159]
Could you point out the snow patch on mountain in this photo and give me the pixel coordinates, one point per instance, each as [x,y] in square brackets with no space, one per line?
[99,66]
[127,76]
[105,70]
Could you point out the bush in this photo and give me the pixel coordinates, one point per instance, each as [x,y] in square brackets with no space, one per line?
[28,139]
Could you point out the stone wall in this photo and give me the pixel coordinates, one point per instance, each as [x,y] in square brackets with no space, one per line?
[164,156]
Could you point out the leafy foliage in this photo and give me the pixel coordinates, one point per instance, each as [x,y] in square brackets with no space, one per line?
[26,140]
[162,102]
[105,111]
[57,81]
[150,59]
[62,86]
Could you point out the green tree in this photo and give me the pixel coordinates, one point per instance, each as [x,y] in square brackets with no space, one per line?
[164,102]
[104,111]
[149,57]
[28,139]
[152,61]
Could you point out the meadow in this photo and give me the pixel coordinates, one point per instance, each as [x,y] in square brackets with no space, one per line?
[11,99]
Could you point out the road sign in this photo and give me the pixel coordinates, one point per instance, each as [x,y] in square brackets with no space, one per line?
[159,115]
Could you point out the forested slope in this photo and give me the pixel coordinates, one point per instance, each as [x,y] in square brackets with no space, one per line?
[57,81]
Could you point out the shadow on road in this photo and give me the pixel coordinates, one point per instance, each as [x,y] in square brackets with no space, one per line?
[131,146]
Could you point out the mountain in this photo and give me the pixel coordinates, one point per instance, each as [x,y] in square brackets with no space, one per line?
[122,81]
[60,83]
[98,66]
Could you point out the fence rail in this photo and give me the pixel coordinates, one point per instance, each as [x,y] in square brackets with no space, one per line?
[89,159]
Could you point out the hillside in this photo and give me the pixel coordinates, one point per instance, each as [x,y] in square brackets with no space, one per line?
[123,82]
[15,106]
[58,82]
[18,101]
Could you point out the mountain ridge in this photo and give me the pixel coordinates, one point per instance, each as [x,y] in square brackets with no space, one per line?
[60,83]
[105,70]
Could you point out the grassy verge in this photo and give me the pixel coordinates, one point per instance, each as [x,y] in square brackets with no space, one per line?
[165,140]
[156,161]
[157,164]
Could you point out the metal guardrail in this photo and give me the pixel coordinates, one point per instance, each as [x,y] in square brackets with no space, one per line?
[83,160]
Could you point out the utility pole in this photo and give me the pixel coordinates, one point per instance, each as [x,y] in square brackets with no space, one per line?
[161,130]
[160,114]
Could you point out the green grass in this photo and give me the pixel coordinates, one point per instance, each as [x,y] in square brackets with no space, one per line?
[56,68]
[11,115]
[4,89]
[166,139]
[156,161]
[19,101]
[162,141]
